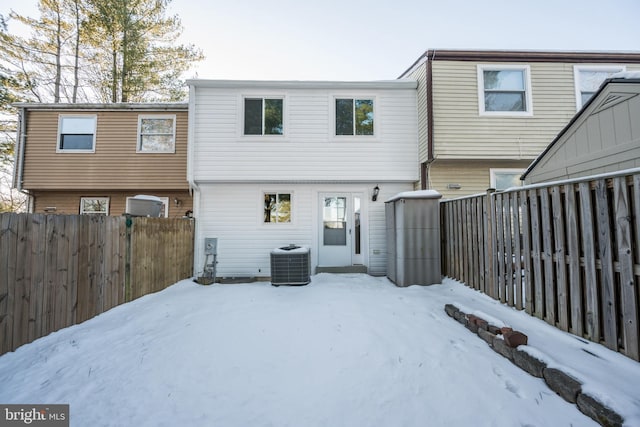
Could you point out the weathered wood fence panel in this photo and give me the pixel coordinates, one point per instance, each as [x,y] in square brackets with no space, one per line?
[567,253]
[59,270]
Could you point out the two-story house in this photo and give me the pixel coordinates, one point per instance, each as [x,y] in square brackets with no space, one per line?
[485,115]
[92,158]
[273,163]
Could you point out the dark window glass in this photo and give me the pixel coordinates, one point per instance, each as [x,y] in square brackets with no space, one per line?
[253,116]
[344,116]
[273,116]
[364,117]
[76,142]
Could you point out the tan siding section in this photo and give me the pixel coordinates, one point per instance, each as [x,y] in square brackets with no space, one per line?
[68,203]
[460,132]
[115,163]
[473,175]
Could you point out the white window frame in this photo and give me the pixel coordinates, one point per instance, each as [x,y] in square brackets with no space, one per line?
[276,223]
[526,69]
[141,117]
[492,173]
[165,201]
[612,68]
[263,97]
[61,118]
[105,199]
[354,98]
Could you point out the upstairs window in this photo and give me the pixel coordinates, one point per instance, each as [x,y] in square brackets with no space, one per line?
[354,116]
[589,79]
[157,134]
[277,207]
[501,179]
[263,116]
[94,206]
[504,90]
[77,133]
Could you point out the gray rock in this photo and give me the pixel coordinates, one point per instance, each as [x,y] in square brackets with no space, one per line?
[566,386]
[501,347]
[450,309]
[598,412]
[487,336]
[528,363]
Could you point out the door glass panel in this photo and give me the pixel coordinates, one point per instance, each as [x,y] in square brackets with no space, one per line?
[334,218]
[356,221]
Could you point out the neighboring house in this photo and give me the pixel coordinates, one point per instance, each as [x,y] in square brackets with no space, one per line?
[604,136]
[273,163]
[92,158]
[485,115]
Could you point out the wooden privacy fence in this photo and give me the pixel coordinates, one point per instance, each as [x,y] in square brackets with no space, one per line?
[60,270]
[566,253]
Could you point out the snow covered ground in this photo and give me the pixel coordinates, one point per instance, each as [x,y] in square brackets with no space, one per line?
[345,350]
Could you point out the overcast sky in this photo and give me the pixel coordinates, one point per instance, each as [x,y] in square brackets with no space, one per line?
[378,40]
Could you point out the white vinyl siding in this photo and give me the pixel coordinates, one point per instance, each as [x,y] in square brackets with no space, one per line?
[309,151]
[230,213]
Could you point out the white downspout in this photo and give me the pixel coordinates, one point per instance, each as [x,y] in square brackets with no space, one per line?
[19,151]
[194,189]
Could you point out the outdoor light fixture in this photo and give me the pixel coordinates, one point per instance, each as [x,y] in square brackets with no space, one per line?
[376,191]
[177,201]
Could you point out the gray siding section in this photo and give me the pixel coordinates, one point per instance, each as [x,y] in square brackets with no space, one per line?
[605,138]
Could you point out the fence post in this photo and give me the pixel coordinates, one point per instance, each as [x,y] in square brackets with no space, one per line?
[490,258]
[127,260]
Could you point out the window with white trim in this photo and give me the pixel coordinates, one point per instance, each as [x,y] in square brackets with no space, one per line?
[501,179]
[76,133]
[354,116]
[277,208]
[263,116]
[504,90]
[588,80]
[94,206]
[156,134]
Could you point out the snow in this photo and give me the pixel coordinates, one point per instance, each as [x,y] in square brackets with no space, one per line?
[291,249]
[345,350]
[418,194]
[147,197]
[626,75]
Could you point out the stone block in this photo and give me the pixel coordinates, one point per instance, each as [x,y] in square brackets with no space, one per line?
[472,326]
[450,309]
[461,317]
[487,336]
[494,330]
[501,347]
[598,412]
[528,363]
[566,386]
[514,338]
[482,324]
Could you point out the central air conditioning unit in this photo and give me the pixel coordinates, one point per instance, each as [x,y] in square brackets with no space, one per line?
[290,265]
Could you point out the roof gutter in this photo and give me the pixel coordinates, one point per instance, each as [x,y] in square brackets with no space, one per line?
[191,118]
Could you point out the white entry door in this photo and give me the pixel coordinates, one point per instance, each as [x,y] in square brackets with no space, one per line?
[340,239]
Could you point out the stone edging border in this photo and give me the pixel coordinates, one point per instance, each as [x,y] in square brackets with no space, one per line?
[563,384]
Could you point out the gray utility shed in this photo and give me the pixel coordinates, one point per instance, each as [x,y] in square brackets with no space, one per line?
[604,136]
[413,238]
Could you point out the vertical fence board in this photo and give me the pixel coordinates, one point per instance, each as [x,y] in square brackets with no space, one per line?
[559,253]
[628,296]
[22,288]
[526,252]
[609,309]
[517,244]
[549,278]
[508,242]
[468,247]
[38,236]
[536,249]
[7,244]
[575,288]
[587,229]
[499,248]
[482,250]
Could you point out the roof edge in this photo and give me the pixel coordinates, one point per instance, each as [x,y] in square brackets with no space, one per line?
[303,84]
[103,106]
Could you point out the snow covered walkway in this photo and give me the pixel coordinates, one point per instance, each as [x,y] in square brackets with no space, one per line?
[345,350]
